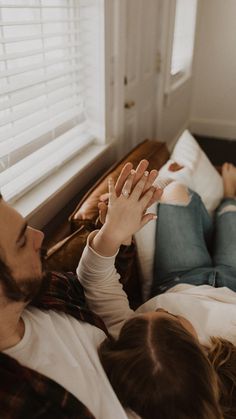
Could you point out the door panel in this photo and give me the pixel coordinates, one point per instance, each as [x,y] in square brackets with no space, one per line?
[133,41]
[131,131]
[147,122]
[149,41]
[141,75]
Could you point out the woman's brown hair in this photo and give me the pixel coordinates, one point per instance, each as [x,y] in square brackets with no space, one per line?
[159,370]
[222,355]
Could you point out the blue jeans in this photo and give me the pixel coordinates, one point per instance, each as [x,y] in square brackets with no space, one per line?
[194,248]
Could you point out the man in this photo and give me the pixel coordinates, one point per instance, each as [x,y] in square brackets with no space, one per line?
[48,363]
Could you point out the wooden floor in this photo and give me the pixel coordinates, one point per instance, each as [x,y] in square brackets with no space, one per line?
[218,150]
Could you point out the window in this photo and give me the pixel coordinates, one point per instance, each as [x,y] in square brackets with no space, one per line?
[52,87]
[183,38]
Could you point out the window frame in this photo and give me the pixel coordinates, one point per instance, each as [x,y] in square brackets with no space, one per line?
[174,82]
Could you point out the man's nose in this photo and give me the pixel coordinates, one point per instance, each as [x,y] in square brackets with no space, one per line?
[38,238]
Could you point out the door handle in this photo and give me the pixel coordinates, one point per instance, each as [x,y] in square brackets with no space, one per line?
[129,104]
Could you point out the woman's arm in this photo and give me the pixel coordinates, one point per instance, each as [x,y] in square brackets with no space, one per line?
[96,271]
[103,291]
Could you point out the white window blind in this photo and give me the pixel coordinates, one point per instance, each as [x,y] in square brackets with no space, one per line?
[184,34]
[51,87]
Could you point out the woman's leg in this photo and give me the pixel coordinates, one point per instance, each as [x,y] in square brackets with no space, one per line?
[224,255]
[183,230]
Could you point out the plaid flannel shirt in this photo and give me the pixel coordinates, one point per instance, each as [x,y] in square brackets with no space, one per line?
[27,394]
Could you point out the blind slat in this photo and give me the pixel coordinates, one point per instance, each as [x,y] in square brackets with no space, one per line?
[44,36]
[40,90]
[87,4]
[34,6]
[44,64]
[65,100]
[38,80]
[65,46]
[35,129]
[37,22]
[9,40]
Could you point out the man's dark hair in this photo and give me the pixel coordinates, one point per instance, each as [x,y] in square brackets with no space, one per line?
[27,290]
[6,279]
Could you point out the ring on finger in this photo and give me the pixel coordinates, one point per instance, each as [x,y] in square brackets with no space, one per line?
[125,193]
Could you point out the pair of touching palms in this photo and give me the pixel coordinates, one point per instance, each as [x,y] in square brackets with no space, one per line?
[122,210]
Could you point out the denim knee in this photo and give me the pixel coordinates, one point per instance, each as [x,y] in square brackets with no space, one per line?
[226,205]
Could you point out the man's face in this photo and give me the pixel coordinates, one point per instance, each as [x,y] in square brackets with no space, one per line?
[20,248]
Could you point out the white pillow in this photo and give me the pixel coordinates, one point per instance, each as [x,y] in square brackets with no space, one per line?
[184,175]
[200,175]
[207,182]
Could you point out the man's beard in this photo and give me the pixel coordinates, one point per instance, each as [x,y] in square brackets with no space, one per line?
[26,289]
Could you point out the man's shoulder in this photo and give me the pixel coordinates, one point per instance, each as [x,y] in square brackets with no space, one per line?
[25,393]
[63,286]
[64,293]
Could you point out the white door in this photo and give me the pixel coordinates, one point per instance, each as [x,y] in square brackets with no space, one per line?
[141,70]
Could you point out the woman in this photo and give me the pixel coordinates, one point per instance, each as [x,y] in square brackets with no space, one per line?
[156,362]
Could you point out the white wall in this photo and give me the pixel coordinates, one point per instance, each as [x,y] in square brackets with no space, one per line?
[213,110]
[175,114]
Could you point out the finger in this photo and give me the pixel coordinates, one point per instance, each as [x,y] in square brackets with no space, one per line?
[140,170]
[158,194]
[155,197]
[151,178]
[104,197]
[147,218]
[102,214]
[147,197]
[142,166]
[126,190]
[101,205]
[123,177]
[111,191]
[138,189]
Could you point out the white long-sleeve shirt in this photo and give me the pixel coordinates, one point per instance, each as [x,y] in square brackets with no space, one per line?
[212,311]
[64,349]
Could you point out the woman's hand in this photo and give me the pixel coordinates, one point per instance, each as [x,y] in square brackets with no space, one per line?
[125,215]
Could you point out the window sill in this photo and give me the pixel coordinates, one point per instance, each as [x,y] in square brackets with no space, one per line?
[45,200]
